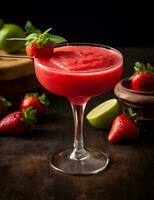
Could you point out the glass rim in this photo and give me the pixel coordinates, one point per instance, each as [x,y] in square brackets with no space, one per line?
[84,44]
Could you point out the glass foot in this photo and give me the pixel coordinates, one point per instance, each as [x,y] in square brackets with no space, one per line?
[95,161]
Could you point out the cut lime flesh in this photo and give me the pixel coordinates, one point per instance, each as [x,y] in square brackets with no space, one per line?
[102,115]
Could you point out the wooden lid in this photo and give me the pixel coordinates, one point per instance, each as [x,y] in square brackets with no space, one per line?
[13,68]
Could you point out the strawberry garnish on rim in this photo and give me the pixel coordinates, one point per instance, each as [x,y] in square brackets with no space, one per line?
[41,44]
[143,78]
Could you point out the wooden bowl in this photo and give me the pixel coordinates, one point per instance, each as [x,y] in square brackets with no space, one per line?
[141,102]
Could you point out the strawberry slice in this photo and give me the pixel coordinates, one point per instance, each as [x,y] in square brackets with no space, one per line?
[124,128]
[17,122]
[143,78]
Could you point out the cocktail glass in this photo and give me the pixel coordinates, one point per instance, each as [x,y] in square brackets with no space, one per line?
[78,87]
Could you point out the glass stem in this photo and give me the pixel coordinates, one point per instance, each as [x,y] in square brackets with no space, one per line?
[79,153]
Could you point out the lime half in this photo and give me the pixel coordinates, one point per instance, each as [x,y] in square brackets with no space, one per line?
[102,115]
[10,31]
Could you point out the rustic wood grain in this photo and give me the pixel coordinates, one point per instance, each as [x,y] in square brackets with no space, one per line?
[13,68]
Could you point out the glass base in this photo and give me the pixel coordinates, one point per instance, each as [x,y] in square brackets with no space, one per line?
[95,162]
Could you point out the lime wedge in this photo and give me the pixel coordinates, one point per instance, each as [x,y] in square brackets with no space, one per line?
[102,115]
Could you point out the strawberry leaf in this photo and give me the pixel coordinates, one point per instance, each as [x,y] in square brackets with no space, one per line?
[40,43]
[55,39]
[131,114]
[5,103]
[139,66]
[142,67]
[149,67]
[33,94]
[44,38]
[47,31]
[29,28]
[29,116]
[31,38]
[32,35]
[43,99]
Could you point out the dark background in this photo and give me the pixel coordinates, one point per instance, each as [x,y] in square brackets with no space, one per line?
[110,22]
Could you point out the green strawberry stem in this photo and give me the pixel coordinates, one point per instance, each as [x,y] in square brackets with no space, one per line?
[5,103]
[42,98]
[48,30]
[142,67]
[43,35]
[132,115]
[29,116]
[44,38]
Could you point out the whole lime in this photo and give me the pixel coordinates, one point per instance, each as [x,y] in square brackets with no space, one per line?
[10,31]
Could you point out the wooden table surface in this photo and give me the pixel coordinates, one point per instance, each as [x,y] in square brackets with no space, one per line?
[24,170]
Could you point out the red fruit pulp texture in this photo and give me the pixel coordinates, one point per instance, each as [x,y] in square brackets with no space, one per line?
[79,72]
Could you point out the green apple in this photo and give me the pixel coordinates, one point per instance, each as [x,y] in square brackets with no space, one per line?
[9,31]
[102,115]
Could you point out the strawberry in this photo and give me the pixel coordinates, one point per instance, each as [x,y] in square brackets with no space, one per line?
[4,104]
[41,44]
[124,128]
[17,122]
[40,103]
[143,78]
[33,49]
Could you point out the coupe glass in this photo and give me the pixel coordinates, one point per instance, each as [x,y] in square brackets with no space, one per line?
[78,87]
